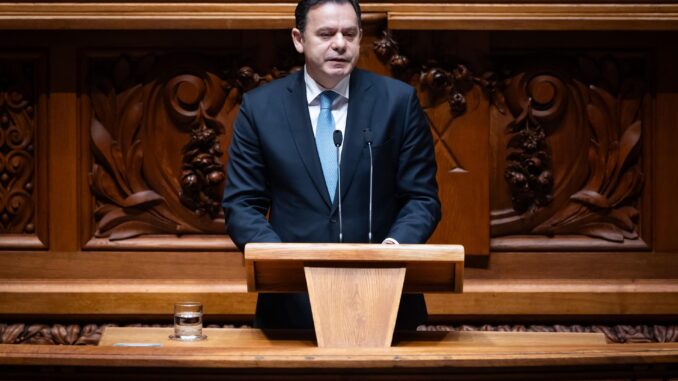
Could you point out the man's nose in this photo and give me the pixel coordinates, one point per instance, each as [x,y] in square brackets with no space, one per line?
[339,42]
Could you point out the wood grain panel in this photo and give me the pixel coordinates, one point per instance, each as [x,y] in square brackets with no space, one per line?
[558,304]
[665,186]
[64,152]
[464,186]
[139,265]
[354,307]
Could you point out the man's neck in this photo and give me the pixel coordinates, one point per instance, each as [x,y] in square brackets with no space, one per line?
[325,83]
[313,88]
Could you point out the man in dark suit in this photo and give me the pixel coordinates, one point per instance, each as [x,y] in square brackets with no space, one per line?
[282,159]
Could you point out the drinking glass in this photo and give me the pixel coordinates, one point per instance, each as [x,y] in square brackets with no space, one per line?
[188,322]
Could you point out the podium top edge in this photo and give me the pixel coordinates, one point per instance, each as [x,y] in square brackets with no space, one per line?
[353,252]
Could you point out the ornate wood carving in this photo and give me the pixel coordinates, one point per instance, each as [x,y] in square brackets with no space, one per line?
[19,135]
[56,334]
[90,334]
[433,79]
[573,158]
[436,82]
[528,171]
[59,334]
[567,140]
[17,112]
[615,334]
[145,111]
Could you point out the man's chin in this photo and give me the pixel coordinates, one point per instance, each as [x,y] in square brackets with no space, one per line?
[339,71]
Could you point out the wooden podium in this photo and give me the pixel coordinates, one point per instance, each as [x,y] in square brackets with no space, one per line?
[354,289]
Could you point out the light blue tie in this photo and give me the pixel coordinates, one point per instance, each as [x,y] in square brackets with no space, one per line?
[325,143]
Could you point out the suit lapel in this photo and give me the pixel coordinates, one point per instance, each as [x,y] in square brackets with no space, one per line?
[360,111]
[300,126]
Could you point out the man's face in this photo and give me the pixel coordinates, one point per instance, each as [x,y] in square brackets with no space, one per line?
[330,43]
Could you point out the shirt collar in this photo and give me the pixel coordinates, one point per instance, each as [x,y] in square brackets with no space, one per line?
[313,88]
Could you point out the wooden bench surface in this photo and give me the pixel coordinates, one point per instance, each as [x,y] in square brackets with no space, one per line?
[251,348]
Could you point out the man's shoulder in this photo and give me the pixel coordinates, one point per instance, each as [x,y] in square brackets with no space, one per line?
[388,83]
[275,87]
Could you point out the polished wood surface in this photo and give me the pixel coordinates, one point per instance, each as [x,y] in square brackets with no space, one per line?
[354,307]
[253,349]
[216,338]
[479,356]
[400,16]
[103,283]
[255,338]
[280,267]
[63,216]
[535,17]
[345,252]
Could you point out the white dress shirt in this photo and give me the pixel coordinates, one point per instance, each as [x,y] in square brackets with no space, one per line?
[339,105]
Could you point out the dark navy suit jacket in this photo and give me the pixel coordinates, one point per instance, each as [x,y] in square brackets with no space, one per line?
[274,170]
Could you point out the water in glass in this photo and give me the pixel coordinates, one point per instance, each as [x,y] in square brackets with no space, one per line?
[188,325]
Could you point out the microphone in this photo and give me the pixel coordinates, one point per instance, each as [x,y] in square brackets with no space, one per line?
[338,137]
[368,139]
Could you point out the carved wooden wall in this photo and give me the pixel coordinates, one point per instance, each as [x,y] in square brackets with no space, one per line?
[23,154]
[554,149]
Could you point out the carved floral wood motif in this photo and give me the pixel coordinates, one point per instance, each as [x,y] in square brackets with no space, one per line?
[570,152]
[159,129]
[18,138]
[567,141]
[436,82]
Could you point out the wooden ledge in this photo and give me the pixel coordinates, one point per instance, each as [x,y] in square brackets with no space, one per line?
[534,17]
[144,283]
[169,243]
[427,340]
[352,252]
[121,286]
[252,350]
[160,16]
[21,242]
[412,16]
[134,16]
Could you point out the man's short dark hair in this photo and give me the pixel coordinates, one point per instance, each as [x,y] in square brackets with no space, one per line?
[301,13]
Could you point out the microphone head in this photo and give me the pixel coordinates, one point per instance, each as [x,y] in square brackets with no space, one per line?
[368,135]
[338,137]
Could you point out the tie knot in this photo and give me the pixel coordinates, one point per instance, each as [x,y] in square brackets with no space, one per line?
[326,99]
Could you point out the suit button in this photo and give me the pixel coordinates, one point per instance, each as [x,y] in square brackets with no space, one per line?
[333,220]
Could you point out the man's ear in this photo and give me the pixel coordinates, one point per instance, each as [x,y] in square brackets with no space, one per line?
[298,40]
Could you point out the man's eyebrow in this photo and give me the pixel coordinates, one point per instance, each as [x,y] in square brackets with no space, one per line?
[326,29]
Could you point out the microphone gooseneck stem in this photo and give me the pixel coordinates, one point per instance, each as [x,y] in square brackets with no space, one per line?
[368,139]
[341,226]
[338,138]
[369,224]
